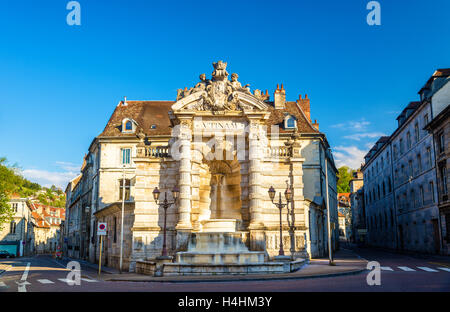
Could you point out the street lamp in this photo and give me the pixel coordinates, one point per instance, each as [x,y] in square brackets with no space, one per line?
[165,204]
[280,205]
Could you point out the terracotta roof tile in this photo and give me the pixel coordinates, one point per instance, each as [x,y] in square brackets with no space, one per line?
[145,113]
[277,117]
[148,113]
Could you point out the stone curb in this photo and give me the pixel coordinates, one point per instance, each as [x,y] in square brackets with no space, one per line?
[239,278]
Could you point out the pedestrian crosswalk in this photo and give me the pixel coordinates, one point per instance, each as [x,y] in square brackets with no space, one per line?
[427,269]
[444,269]
[415,269]
[45,281]
[404,268]
[64,280]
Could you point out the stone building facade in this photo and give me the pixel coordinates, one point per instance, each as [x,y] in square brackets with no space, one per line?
[17,236]
[345,217]
[400,185]
[223,147]
[47,229]
[359,228]
[437,91]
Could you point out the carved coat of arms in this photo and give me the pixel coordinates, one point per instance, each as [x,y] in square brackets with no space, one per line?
[218,94]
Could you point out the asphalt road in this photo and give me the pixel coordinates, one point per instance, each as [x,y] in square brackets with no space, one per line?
[399,273]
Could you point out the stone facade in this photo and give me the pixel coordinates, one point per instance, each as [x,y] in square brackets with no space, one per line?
[400,185]
[17,236]
[359,228]
[438,89]
[223,147]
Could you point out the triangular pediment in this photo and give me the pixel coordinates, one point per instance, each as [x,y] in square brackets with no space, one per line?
[201,101]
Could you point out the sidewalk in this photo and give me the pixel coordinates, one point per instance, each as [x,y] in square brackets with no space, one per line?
[347,262]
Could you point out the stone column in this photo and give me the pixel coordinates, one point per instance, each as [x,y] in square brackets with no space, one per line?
[184,208]
[296,182]
[254,177]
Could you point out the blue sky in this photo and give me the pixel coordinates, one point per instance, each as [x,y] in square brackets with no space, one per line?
[59,84]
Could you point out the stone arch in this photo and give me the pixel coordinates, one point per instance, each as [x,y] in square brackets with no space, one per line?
[220,189]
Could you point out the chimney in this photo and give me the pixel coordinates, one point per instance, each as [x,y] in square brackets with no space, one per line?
[304,105]
[279,97]
[125,101]
[316,124]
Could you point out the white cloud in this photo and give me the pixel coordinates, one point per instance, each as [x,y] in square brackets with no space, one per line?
[49,178]
[353,125]
[68,166]
[350,156]
[359,136]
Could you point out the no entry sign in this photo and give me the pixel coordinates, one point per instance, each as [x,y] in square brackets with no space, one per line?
[101,228]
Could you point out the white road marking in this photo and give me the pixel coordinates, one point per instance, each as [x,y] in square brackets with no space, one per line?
[45,281]
[88,280]
[25,273]
[427,269]
[384,268]
[445,269]
[404,268]
[64,280]
[2,284]
[23,281]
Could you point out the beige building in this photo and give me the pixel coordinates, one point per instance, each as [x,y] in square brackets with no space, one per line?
[359,229]
[47,229]
[17,237]
[223,147]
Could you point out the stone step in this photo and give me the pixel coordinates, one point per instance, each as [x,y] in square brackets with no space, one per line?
[220,257]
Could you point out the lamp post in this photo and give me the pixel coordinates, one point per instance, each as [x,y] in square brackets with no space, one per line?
[280,205]
[165,204]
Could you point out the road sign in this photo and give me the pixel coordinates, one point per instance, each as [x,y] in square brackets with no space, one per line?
[101,228]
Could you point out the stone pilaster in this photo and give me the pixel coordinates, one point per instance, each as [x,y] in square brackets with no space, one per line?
[184,208]
[254,177]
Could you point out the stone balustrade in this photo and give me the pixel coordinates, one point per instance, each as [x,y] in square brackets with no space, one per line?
[278,152]
[153,151]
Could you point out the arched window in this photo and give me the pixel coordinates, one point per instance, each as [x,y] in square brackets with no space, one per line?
[128,126]
[289,122]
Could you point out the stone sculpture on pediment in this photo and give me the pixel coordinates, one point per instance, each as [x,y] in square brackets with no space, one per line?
[219,94]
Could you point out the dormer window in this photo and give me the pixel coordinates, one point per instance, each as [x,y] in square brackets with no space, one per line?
[290,122]
[128,125]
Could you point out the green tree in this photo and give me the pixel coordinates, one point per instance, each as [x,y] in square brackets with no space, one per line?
[344,177]
[8,182]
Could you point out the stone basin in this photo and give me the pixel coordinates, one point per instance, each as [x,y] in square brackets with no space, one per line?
[220,225]
[218,248]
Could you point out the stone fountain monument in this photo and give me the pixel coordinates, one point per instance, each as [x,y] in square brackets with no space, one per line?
[222,223]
